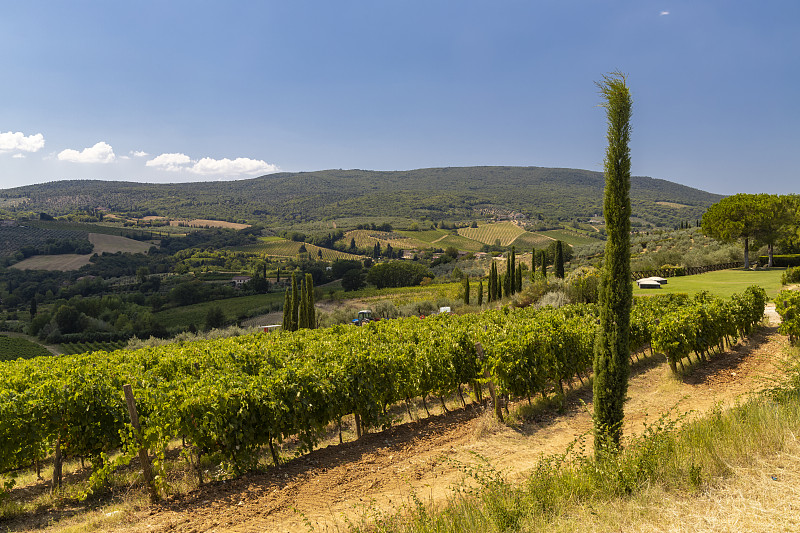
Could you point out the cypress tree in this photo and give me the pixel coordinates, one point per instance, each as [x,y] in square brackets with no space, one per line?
[512,270]
[559,262]
[480,293]
[295,302]
[493,282]
[518,284]
[302,312]
[287,311]
[312,312]
[611,351]
[543,263]
[466,290]
[509,272]
[533,265]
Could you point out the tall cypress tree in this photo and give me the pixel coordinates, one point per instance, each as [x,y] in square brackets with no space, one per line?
[493,282]
[287,311]
[506,288]
[512,270]
[295,302]
[302,312]
[611,351]
[543,263]
[534,255]
[558,268]
[466,290]
[480,293]
[518,284]
[310,303]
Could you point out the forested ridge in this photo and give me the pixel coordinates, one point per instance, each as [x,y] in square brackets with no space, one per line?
[433,193]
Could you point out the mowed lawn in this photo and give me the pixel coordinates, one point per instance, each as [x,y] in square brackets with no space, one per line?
[721,283]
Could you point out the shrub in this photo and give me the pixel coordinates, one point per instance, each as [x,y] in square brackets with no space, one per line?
[787,304]
[792,275]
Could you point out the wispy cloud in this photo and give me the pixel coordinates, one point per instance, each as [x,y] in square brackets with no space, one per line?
[99,153]
[18,156]
[19,142]
[208,166]
[139,153]
[663,14]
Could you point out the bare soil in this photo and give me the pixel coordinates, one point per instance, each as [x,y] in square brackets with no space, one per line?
[427,458]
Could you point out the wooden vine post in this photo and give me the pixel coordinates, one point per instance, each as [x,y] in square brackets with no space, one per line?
[147,468]
[498,411]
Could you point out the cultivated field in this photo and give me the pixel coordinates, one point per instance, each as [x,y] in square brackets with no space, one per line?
[102,243]
[399,241]
[505,232]
[278,247]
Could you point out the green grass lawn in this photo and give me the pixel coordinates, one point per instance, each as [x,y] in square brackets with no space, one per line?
[231,307]
[721,283]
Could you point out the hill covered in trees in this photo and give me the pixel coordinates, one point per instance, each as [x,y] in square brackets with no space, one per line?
[457,193]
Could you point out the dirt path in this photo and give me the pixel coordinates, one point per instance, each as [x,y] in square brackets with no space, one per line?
[426,458]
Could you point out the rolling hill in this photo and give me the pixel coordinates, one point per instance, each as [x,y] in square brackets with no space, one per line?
[453,193]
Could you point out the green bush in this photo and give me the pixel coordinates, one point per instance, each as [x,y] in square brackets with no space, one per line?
[792,275]
[787,304]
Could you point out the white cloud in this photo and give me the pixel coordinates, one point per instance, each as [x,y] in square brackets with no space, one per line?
[139,153]
[227,167]
[19,142]
[99,153]
[663,13]
[18,156]
[208,166]
[170,162]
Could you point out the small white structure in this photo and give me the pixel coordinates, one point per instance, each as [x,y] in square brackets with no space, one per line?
[650,283]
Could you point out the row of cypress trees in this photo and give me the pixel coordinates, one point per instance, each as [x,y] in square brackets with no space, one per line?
[298,305]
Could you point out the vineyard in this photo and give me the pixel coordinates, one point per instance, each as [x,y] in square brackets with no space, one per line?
[71,348]
[505,232]
[366,239]
[286,248]
[12,348]
[230,398]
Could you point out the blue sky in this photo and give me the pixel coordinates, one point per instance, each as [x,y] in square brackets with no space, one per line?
[174,91]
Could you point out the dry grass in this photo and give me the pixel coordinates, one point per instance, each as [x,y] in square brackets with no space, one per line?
[761,497]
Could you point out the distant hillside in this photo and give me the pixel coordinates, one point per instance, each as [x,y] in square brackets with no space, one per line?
[433,193]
